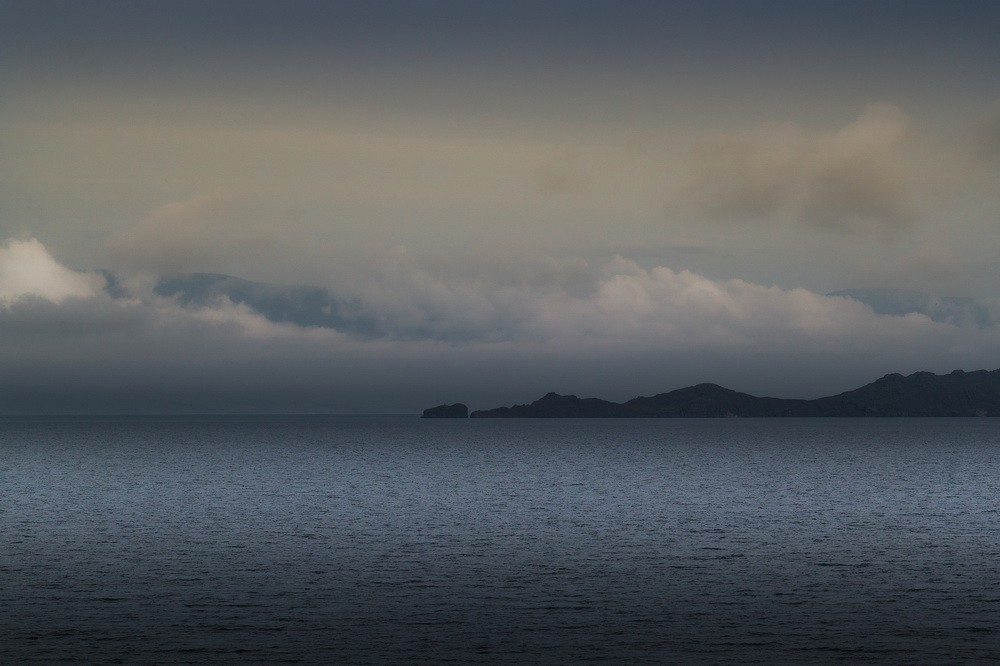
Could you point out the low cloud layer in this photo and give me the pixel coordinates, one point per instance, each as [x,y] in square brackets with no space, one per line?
[69,346]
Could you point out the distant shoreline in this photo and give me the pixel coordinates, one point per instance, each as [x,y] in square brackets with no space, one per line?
[921,394]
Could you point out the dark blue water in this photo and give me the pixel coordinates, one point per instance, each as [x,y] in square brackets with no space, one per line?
[389,539]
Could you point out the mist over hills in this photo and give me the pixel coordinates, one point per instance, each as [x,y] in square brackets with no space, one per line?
[958,393]
[317,323]
[306,305]
[302,305]
[955,310]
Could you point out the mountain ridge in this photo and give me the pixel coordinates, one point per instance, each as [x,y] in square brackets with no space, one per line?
[958,393]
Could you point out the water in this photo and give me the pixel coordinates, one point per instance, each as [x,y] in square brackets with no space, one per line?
[391,539]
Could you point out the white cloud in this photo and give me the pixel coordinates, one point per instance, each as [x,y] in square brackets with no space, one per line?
[27,269]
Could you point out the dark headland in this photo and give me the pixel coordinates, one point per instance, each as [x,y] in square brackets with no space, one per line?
[456,411]
[958,393]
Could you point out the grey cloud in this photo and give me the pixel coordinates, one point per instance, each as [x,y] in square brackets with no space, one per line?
[449,298]
[638,331]
[852,180]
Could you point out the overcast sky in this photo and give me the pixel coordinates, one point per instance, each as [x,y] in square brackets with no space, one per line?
[601,198]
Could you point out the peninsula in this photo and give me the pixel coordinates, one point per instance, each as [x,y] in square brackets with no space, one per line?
[456,411]
[958,393]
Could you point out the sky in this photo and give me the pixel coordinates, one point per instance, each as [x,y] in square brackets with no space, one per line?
[608,199]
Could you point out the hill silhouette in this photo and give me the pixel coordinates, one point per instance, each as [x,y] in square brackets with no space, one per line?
[456,411]
[958,393]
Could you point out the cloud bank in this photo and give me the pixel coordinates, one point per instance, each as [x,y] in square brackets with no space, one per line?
[68,345]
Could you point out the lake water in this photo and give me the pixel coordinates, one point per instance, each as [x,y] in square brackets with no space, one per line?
[391,539]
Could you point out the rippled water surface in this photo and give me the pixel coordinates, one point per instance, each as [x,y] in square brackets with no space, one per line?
[388,539]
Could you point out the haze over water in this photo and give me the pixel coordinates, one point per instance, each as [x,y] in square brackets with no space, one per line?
[388,539]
